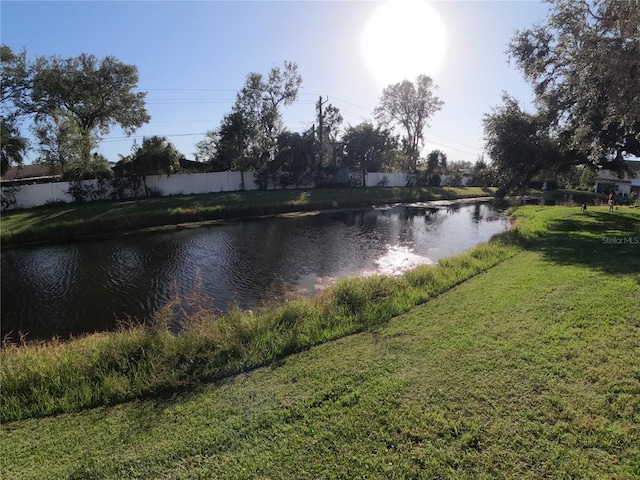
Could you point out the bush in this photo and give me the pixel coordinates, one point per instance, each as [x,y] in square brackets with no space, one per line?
[8,198]
[80,191]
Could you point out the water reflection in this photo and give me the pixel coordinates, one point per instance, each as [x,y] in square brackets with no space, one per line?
[64,290]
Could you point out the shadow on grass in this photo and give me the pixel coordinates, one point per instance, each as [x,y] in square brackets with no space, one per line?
[609,242]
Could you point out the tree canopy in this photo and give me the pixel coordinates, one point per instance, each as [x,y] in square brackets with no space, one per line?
[155,156]
[368,148]
[436,162]
[329,121]
[70,103]
[248,135]
[12,145]
[584,65]
[259,104]
[410,106]
[105,99]
[520,146]
[14,90]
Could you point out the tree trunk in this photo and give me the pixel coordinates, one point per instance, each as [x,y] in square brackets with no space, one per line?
[144,182]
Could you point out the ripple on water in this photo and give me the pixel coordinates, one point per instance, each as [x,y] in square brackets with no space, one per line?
[50,290]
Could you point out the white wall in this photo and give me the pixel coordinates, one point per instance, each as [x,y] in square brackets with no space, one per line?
[387,179]
[29,196]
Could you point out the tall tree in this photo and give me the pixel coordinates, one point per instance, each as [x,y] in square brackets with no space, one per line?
[584,65]
[410,106]
[97,95]
[247,137]
[260,101]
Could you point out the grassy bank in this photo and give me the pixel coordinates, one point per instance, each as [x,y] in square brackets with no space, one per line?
[145,361]
[70,221]
[529,369]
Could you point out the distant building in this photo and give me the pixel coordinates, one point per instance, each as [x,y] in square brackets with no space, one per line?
[608,181]
[29,174]
[192,166]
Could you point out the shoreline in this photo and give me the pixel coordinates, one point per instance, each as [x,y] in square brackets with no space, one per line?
[94,220]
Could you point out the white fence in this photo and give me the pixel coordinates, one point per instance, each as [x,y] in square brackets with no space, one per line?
[29,196]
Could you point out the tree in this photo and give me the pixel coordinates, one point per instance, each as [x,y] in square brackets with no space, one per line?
[259,103]
[235,147]
[17,79]
[436,162]
[96,95]
[368,148]
[15,87]
[12,146]
[409,105]
[247,137]
[457,170]
[329,121]
[61,141]
[155,156]
[584,65]
[520,146]
[294,159]
[81,169]
[482,174]
[206,151]
[436,165]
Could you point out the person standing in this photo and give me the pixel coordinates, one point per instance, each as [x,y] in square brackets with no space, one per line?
[611,197]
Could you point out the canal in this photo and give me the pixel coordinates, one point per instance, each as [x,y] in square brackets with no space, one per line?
[64,290]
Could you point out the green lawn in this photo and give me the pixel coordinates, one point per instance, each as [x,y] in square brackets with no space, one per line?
[530,369]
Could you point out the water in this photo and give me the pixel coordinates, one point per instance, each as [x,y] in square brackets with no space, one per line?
[65,290]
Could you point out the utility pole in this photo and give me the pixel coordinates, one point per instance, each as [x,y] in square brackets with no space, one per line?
[320,130]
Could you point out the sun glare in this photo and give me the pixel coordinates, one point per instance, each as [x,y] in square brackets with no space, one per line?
[402,39]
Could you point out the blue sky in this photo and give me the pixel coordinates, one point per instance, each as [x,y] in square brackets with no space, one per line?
[193,56]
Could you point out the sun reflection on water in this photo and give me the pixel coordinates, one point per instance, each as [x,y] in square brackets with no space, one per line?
[398,259]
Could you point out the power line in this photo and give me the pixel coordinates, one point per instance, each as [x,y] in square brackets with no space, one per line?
[477,152]
[123,139]
[186,89]
[299,123]
[349,103]
[451,140]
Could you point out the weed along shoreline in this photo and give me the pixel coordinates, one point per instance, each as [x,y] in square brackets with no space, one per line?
[100,219]
[68,222]
[516,359]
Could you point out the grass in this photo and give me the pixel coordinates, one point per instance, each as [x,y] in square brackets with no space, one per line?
[143,361]
[63,222]
[529,369]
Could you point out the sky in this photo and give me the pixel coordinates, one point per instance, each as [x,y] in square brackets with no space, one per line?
[193,57]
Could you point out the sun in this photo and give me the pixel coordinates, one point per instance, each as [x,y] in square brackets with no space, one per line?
[403,39]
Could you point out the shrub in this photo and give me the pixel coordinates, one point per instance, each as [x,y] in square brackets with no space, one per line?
[8,198]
